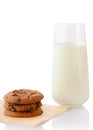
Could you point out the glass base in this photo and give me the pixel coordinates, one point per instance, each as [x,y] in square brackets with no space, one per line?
[69,106]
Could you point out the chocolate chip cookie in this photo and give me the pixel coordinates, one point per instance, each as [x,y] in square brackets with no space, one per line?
[21,107]
[23,103]
[36,112]
[23,96]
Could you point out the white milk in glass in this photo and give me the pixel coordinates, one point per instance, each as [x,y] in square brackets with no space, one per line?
[70,74]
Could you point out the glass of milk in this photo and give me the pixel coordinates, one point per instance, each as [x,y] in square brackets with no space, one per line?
[70,86]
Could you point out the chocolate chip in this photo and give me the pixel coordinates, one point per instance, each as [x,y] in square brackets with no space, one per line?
[38,104]
[14,94]
[19,100]
[29,111]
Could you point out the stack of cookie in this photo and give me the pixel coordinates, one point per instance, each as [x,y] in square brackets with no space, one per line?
[23,103]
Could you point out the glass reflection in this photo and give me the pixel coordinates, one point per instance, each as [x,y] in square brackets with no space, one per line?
[75,119]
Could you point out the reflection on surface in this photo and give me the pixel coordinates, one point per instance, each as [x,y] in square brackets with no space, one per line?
[14,127]
[75,119]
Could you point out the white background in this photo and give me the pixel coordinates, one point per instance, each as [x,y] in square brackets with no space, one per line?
[26,47]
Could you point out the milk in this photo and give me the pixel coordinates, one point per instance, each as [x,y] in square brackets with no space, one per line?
[70,74]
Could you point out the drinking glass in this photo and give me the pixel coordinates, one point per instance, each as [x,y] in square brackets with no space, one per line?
[70,85]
